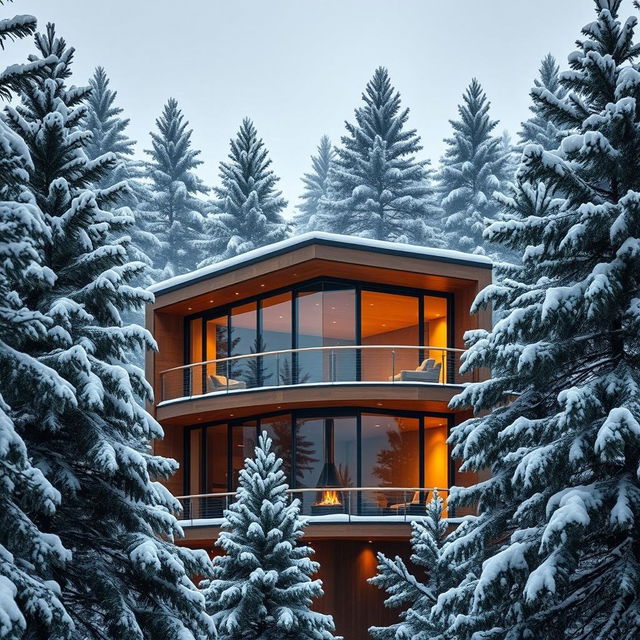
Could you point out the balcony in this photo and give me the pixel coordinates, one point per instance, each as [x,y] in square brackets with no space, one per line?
[344,505]
[335,365]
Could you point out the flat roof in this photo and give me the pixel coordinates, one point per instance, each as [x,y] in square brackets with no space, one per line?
[323,238]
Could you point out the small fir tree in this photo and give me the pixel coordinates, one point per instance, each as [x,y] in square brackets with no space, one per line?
[262,589]
[106,551]
[316,186]
[248,210]
[539,128]
[175,211]
[377,187]
[472,169]
[558,519]
[432,555]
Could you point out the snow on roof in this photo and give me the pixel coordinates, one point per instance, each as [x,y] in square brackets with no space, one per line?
[319,237]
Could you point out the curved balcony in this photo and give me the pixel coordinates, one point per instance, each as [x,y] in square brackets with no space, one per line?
[351,505]
[389,364]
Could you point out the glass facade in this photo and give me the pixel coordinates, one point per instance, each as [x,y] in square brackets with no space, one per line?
[322,321]
[342,448]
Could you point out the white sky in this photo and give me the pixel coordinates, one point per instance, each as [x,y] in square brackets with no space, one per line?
[298,67]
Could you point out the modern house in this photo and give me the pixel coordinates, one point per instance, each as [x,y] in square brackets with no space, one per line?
[346,351]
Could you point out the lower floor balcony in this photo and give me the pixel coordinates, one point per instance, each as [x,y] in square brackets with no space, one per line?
[326,505]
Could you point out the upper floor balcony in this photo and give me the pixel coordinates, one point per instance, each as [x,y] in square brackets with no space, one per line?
[365,321]
[337,364]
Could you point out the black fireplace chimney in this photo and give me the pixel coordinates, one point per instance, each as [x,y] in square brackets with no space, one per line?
[329,474]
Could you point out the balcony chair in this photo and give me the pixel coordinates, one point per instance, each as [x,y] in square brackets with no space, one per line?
[415,507]
[218,383]
[428,371]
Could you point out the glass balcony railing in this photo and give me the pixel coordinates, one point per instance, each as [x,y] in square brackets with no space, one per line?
[322,504]
[390,364]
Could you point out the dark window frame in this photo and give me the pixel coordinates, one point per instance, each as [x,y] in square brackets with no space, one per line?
[296,414]
[358,286]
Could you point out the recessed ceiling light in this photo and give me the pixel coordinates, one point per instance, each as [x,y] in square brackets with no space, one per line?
[281,317]
[237,293]
[210,300]
[188,308]
[379,404]
[334,322]
[262,285]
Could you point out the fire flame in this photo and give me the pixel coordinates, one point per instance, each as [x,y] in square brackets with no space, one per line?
[329,499]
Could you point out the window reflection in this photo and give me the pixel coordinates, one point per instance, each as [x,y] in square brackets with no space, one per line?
[326,318]
[280,430]
[275,320]
[243,443]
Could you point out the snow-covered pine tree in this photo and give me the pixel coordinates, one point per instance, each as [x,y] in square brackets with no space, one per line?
[262,589]
[539,129]
[472,169]
[108,135]
[316,185]
[175,211]
[29,598]
[558,519]
[14,76]
[377,187]
[248,210]
[419,594]
[107,546]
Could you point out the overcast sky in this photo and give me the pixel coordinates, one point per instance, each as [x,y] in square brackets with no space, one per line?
[298,68]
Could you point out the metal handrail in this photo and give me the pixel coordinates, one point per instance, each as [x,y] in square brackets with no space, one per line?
[350,505]
[318,489]
[303,349]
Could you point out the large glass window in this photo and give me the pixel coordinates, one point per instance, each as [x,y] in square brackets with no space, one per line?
[326,454]
[280,429]
[217,346]
[435,335]
[243,443]
[389,319]
[436,453]
[326,318]
[275,322]
[216,469]
[195,380]
[406,335]
[243,340]
[397,458]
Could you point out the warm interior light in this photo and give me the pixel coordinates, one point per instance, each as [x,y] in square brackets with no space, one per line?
[329,498]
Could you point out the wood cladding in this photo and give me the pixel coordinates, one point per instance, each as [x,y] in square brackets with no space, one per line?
[344,569]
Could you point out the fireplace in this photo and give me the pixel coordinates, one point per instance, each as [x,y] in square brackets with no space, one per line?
[329,500]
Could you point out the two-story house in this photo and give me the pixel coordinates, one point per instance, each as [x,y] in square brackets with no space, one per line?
[346,351]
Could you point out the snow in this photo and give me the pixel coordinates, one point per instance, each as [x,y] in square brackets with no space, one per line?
[320,237]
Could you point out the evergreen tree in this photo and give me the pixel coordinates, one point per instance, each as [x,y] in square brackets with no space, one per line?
[377,188]
[15,76]
[175,211]
[431,553]
[248,210]
[539,129]
[106,551]
[262,589]
[316,186]
[29,598]
[108,135]
[472,169]
[558,519]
